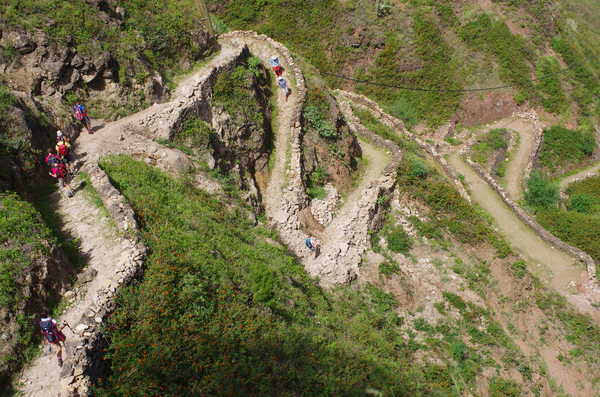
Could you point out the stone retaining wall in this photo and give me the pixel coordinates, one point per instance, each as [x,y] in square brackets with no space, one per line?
[398,125]
[537,140]
[349,233]
[86,356]
[587,260]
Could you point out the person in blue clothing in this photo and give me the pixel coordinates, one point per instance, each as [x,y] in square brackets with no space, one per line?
[313,244]
[284,87]
[80,113]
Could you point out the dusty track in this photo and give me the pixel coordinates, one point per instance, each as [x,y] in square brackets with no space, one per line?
[581,175]
[560,270]
[114,258]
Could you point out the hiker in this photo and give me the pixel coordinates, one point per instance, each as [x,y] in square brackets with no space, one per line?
[53,335]
[276,66]
[63,151]
[58,170]
[313,244]
[80,114]
[283,85]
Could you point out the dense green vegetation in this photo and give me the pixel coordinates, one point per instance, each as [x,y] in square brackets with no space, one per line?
[221,310]
[492,36]
[235,91]
[586,193]
[541,192]
[563,148]
[586,82]
[414,45]
[487,144]
[160,32]
[579,222]
[549,85]
[24,241]
[439,71]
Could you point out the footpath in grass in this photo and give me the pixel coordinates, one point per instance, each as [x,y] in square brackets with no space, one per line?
[238,315]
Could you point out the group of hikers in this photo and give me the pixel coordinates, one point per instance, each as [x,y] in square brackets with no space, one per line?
[60,164]
[61,167]
[281,82]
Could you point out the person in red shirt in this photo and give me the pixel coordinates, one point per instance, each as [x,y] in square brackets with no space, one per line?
[53,335]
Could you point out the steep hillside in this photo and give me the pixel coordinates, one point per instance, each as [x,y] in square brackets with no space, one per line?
[457,228]
[445,45]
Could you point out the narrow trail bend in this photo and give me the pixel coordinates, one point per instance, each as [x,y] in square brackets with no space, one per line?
[558,269]
[515,170]
[581,175]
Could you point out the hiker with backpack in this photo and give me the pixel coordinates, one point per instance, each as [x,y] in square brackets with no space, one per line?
[276,66]
[283,85]
[80,114]
[313,244]
[58,170]
[63,151]
[53,335]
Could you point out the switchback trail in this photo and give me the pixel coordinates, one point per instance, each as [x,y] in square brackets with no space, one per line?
[113,256]
[559,270]
[520,157]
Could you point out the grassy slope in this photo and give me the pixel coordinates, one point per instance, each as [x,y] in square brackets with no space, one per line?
[24,240]
[415,45]
[236,314]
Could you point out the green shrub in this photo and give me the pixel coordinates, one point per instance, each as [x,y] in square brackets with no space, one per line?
[316,180]
[563,147]
[316,119]
[264,282]
[500,387]
[388,268]
[235,92]
[398,240]
[404,110]
[418,168]
[541,192]
[519,268]
[487,144]
[582,203]
[194,132]
[7,100]
[588,187]
[549,85]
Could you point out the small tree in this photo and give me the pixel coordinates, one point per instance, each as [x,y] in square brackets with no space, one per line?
[541,192]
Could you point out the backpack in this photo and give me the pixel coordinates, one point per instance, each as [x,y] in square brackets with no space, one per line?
[59,170]
[52,160]
[50,332]
[79,111]
[308,243]
[63,149]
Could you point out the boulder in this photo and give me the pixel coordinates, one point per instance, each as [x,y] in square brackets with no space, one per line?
[19,41]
